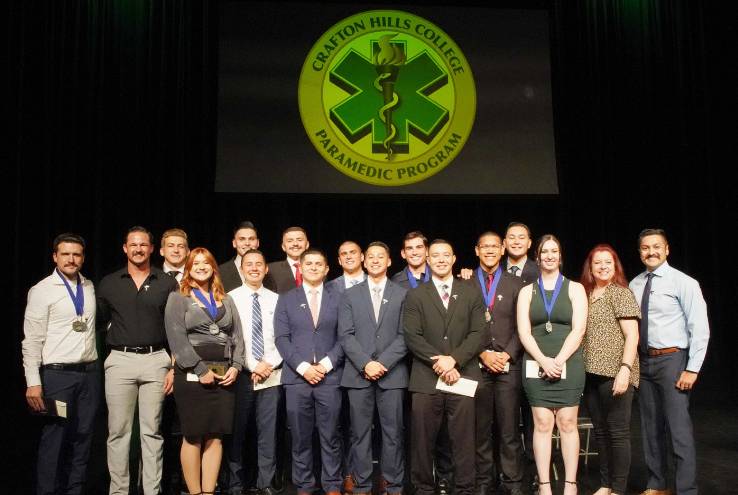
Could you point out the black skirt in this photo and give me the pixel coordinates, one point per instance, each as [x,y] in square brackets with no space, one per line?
[204,409]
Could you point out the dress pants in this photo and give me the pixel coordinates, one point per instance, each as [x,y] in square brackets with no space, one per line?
[497,425]
[309,407]
[389,406]
[263,406]
[611,420]
[664,407]
[428,411]
[64,449]
[129,379]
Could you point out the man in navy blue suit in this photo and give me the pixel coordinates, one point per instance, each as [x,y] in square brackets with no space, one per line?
[305,327]
[375,374]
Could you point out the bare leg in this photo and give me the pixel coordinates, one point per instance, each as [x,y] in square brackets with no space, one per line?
[566,420]
[543,423]
[211,456]
[190,458]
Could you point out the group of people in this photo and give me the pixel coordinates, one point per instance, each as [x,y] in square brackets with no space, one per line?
[249,340]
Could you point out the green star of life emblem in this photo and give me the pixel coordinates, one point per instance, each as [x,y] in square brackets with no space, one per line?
[387,98]
[410,110]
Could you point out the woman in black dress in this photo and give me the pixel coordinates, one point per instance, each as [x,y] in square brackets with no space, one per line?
[205,338]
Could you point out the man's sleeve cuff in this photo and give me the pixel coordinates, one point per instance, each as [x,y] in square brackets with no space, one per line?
[302,368]
[326,362]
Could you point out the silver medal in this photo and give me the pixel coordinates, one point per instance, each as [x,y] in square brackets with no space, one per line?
[487,316]
[214,330]
[549,327]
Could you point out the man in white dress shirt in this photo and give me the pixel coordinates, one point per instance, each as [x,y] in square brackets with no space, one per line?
[62,373]
[257,388]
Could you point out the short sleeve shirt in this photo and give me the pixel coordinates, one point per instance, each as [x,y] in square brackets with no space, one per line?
[604,341]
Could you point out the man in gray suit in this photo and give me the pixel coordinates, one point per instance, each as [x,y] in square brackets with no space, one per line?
[375,372]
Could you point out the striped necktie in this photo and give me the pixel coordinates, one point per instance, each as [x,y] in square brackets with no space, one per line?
[257,336]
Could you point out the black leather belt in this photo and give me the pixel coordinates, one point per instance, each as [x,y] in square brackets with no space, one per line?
[79,367]
[146,349]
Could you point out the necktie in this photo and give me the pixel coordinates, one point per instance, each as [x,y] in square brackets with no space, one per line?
[513,270]
[377,302]
[643,342]
[298,274]
[314,306]
[490,279]
[353,282]
[444,295]
[257,336]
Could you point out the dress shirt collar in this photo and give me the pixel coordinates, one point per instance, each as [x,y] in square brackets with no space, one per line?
[168,268]
[307,288]
[449,281]
[347,279]
[662,270]
[520,264]
[381,285]
[56,280]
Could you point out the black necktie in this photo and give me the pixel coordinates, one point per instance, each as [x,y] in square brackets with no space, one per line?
[643,342]
[513,270]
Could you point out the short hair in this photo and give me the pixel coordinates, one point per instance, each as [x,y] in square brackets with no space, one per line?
[348,241]
[244,225]
[313,251]
[294,228]
[488,233]
[440,241]
[380,244]
[253,251]
[542,241]
[517,224]
[68,237]
[174,233]
[143,230]
[415,234]
[650,231]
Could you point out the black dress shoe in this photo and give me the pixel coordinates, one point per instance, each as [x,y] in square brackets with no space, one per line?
[444,487]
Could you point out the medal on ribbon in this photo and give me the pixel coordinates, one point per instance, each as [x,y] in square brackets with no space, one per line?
[79,324]
[211,307]
[411,278]
[548,305]
[489,295]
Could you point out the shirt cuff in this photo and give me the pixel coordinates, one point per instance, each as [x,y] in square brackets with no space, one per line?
[302,368]
[200,369]
[33,379]
[326,362]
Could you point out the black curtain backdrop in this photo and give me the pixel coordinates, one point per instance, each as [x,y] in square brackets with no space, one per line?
[112,111]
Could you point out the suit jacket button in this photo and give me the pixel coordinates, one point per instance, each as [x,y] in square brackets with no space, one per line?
[445,337]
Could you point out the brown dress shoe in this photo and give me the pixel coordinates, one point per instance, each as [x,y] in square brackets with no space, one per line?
[348,484]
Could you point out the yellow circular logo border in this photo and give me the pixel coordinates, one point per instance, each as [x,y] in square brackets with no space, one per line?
[334,149]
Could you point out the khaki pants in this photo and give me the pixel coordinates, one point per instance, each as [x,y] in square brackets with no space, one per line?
[129,379]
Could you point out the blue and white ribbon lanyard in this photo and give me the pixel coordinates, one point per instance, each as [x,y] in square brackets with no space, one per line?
[78,325]
[489,295]
[548,305]
[211,307]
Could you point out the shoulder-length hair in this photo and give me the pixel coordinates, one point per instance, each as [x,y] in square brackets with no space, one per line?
[587,278]
[187,284]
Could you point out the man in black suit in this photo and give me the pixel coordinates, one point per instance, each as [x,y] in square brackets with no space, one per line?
[415,253]
[444,325]
[375,373]
[499,392]
[350,258]
[245,238]
[517,243]
[285,275]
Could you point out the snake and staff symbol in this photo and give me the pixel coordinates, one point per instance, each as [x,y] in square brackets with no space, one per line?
[387,61]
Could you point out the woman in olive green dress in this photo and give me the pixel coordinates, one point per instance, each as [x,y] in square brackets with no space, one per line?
[552,316]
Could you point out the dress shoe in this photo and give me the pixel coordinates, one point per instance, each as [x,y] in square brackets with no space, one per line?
[654,491]
[266,491]
[348,484]
[444,487]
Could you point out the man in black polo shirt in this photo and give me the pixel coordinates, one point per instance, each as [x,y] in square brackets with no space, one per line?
[130,304]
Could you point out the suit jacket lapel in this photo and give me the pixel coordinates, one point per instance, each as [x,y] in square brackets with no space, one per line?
[324,302]
[432,293]
[304,307]
[387,296]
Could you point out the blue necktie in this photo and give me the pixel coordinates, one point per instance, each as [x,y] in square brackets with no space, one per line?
[257,336]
